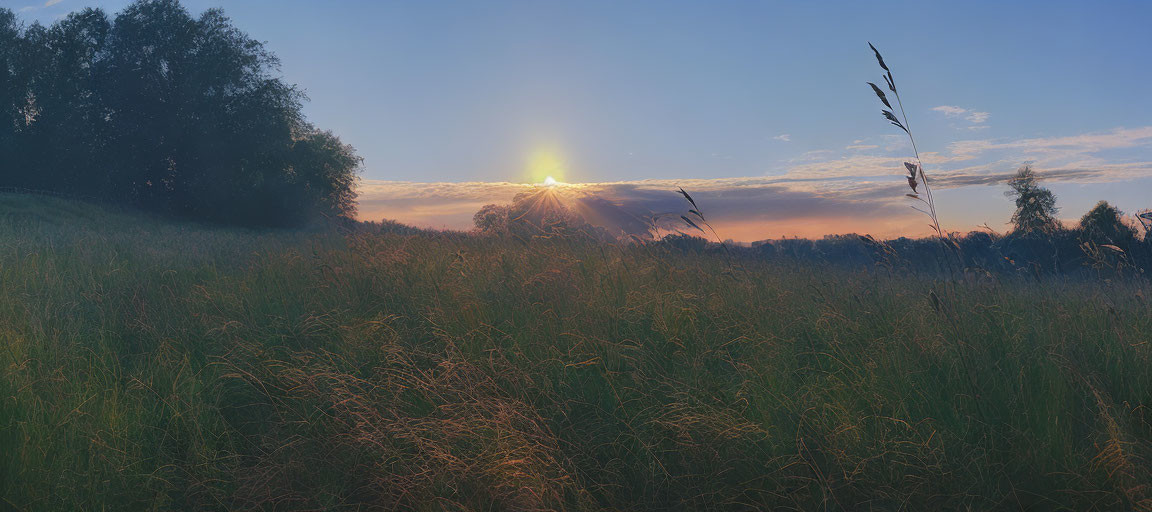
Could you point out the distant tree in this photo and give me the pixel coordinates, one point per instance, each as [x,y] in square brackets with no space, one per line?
[1104,224]
[1035,205]
[684,242]
[492,219]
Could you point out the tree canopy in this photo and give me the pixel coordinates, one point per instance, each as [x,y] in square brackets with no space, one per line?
[161,110]
[1035,205]
[1104,224]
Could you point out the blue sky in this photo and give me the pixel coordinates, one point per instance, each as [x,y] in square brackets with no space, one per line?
[440,92]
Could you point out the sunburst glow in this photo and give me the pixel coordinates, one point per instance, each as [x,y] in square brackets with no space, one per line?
[546,164]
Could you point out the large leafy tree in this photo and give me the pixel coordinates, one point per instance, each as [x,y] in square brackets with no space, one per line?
[64,141]
[13,94]
[1104,224]
[166,111]
[1035,205]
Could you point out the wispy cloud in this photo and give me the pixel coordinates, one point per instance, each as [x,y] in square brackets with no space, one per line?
[1049,149]
[49,3]
[972,116]
[949,110]
[784,137]
[977,117]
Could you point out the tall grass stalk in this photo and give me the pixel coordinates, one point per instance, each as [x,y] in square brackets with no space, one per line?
[916,174]
[695,211]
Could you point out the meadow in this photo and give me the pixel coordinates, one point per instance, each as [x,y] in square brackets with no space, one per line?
[155,365]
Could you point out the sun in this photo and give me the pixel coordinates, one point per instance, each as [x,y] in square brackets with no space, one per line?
[545,163]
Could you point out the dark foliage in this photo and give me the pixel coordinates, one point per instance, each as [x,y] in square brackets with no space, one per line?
[1104,244]
[1035,205]
[1067,252]
[160,110]
[535,215]
[1104,225]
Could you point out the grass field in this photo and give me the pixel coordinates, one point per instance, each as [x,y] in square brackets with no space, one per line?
[155,365]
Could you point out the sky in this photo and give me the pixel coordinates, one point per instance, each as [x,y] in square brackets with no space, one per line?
[760,107]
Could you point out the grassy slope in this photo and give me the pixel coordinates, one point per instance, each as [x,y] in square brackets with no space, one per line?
[149,365]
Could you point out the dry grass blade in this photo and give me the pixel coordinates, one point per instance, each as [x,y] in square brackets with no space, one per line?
[690,223]
[689,198]
[880,94]
[879,58]
[1145,218]
[892,118]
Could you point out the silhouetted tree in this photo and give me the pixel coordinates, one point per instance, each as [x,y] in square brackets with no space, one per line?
[1104,224]
[322,168]
[492,219]
[161,110]
[1035,205]
[13,92]
[63,144]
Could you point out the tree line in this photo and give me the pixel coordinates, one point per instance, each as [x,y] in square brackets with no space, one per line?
[160,110]
[1103,242]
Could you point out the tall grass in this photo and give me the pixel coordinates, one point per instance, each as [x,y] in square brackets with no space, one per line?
[915,170]
[157,366]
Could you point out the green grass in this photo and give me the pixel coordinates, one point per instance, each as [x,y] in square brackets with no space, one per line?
[154,365]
